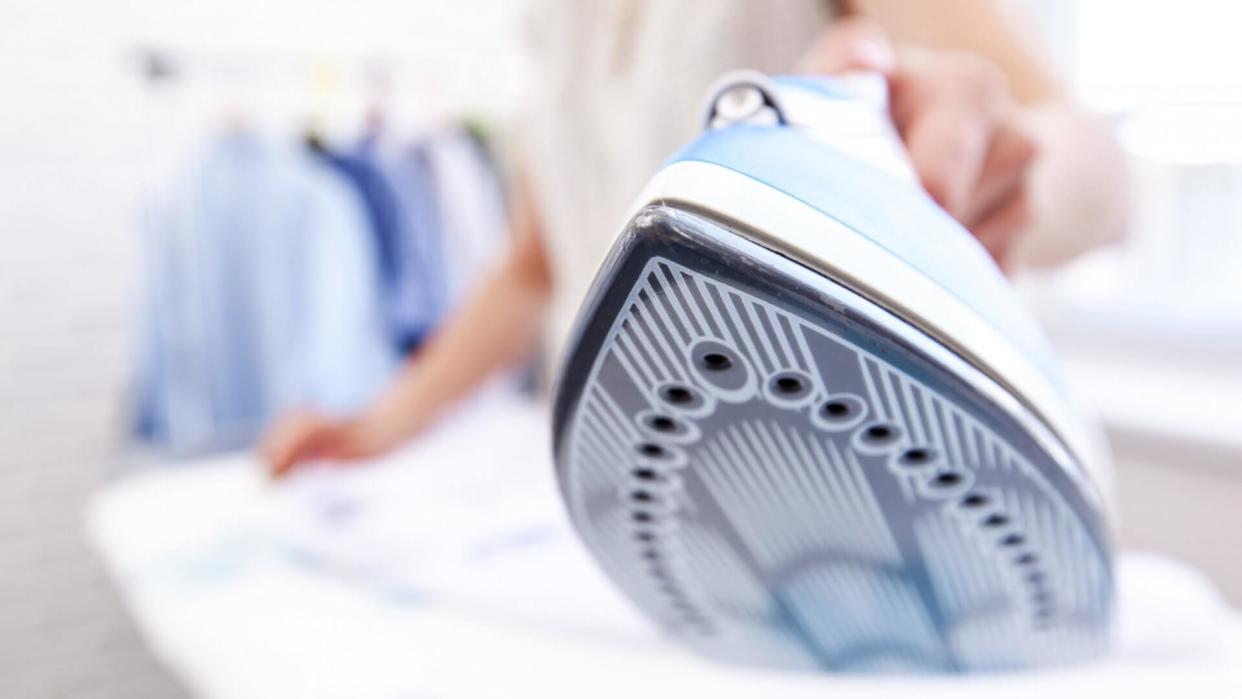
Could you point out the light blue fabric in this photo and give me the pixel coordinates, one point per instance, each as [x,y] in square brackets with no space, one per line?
[416,298]
[263,295]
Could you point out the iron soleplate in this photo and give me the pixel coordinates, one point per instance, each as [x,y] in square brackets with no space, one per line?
[784,474]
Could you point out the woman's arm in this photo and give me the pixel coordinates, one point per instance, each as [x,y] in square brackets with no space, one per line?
[495,328]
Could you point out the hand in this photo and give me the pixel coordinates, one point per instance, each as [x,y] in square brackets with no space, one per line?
[966,136]
[305,436]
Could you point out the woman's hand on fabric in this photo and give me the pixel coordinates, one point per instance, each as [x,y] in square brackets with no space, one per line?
[306,436]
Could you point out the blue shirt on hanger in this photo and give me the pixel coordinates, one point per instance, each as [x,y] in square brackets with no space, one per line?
[264,294]
[399,184]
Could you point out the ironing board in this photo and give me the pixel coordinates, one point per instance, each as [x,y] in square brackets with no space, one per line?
[449,570]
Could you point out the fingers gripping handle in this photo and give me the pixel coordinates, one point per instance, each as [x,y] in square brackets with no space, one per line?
[848,112]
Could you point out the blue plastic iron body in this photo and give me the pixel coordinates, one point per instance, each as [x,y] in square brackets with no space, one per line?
[804,423]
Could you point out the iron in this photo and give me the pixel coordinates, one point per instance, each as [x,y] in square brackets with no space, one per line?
[804,423]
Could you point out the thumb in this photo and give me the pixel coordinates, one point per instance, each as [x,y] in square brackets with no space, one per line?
[853,43]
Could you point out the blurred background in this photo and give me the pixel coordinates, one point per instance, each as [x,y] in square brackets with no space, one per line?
[108,108]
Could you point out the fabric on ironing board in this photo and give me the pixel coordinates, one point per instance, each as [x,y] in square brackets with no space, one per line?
[448,560]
